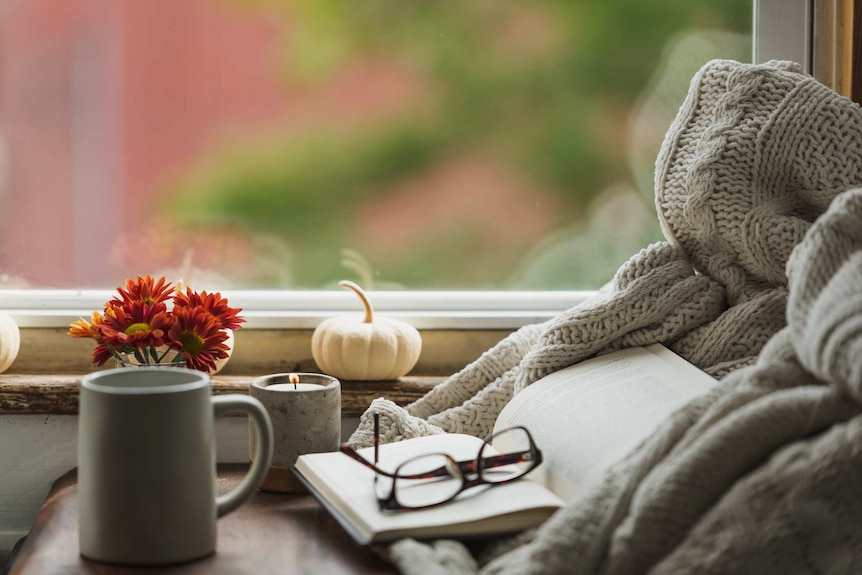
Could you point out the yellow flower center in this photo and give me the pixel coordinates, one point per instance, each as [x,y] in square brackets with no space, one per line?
[192,342]
[137,328]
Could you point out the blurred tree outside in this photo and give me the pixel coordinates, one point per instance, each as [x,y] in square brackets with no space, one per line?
[515,152]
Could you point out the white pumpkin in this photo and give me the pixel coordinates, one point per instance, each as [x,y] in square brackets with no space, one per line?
[365,348]
[10,341]
[229,342]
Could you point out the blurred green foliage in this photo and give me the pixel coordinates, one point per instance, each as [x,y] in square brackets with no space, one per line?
[544,88]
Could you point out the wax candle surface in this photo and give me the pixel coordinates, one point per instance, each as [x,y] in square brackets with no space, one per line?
[293,387]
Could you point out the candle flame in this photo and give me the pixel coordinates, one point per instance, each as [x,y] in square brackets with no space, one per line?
[292,378]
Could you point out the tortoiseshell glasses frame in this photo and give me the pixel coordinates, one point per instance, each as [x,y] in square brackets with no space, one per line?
[471,473]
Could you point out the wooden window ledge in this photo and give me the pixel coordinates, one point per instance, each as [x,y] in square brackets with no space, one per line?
[58,394]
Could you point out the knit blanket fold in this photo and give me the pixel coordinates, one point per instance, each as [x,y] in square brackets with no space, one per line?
[760,283]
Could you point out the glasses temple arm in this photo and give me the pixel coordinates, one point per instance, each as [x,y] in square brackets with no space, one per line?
[352,454]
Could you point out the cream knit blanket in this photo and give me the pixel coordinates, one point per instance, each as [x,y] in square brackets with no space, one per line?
[761,475]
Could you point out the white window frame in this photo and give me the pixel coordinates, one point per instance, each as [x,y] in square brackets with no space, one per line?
[782,30]
[306,309]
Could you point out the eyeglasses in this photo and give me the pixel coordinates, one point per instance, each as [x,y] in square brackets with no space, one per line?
[436,478]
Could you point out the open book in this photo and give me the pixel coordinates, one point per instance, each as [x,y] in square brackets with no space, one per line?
[582,418]
[589,415]
[345,487]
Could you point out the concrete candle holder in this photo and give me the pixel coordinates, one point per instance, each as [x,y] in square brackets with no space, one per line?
[305,409]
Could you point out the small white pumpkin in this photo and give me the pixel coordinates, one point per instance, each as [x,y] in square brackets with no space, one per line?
[10,341]
[229,342]
[365,349]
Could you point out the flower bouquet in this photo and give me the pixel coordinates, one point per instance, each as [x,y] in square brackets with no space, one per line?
[138,325]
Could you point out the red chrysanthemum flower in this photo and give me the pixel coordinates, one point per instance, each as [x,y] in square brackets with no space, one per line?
[144,289]
[137,321]
[198,335]
[228,317]
[136,324]
[101,354]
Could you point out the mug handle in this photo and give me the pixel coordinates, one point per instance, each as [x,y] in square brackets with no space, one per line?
[262,457]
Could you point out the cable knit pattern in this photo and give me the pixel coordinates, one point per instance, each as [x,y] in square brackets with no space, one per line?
[494,364]
[745,137]
[828,328]
[658,299]
[759,282]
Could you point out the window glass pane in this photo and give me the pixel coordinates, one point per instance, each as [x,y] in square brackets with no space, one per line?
[477,144]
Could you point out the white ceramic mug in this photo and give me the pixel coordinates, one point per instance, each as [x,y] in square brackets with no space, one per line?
[147,467]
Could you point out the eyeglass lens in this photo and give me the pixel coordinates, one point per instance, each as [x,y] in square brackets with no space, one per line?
[429,479]
[426,480]
[515,441]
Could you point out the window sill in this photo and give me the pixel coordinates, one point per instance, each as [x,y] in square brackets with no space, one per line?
[45,376]
[31,394]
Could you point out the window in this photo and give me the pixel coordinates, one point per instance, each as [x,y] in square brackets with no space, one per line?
[291,143]
[114,117]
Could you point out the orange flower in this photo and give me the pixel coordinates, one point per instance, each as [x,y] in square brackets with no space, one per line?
[83,328]
[144,289]
[198,335]
[228,317]
[136,324]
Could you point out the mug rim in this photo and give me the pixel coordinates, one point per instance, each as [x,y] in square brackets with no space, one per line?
[196,380]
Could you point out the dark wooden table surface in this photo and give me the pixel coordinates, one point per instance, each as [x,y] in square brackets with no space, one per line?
[272,533]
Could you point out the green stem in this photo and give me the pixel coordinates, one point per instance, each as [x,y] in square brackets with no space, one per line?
[141,357]
[115,353]
[369,311]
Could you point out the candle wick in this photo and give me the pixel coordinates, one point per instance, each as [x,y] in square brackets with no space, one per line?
[293,378]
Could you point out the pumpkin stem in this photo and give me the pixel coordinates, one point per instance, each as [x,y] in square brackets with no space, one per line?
[369,311]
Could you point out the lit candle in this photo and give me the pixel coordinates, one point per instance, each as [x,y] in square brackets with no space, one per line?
[305,409]
[293,385]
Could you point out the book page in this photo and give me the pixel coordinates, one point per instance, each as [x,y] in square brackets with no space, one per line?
[346,487]
[587,416]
